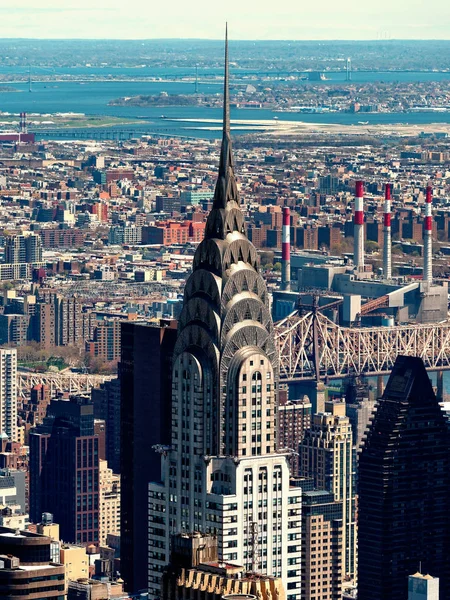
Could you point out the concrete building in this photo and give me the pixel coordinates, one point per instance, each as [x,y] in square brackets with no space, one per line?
[68,320]
[423,587]
[75,561]
[23,249]
[125,234]
[327,454]
[14,329]
[294,418]
[195,197]
[109,502]
[105,343]
[8,393]
[17,271]
[93,589]
[26,569]
[195,570]
[322,531]
[222,473]
[44,324]
[13,484]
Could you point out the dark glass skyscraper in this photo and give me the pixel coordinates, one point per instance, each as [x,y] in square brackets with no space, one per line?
[145,385]
[404,488]
[64,470]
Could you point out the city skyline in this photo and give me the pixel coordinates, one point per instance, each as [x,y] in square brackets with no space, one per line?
[347,21]
[195,335]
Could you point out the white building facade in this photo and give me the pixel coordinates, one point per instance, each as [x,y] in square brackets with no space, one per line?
[8,393]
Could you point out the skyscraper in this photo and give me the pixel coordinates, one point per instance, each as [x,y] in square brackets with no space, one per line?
[106,400]
[8,393]
[294,418]
[221,473]
[404,488]
[145,413]
[321,546]
[23,249]
[68,320]
[327,454]
[64,467]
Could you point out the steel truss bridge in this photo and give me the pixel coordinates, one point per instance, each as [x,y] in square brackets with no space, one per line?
[312,347]
[74,383]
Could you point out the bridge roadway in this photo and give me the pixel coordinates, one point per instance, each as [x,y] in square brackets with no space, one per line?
[74,383]
[313,348]
[102,133]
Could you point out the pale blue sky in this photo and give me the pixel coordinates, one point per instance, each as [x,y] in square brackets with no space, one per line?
[248,19]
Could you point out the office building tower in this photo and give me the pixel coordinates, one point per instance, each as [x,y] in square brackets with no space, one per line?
[26,567]
[106,400]
[404,488]
[145,388]
[105,342]
[33,248]
[109,502]
[322,529]
[222,474]
[14,329]
[23,249]
[327,454]
[100,432]
[64,467]
[68,320]
[8,393]
[43,325]
[423,587]
[359,407]
[294,418]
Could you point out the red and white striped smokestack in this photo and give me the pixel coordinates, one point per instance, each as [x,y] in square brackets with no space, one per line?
[387,256]
[427,238]
[23,122]
[358,221]
[286,250]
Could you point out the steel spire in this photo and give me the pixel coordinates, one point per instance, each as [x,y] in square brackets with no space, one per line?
[226,158]
[226,194]
[226,92]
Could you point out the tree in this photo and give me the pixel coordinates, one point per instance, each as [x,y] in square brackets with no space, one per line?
[277,267]
[371,246]
[266,257]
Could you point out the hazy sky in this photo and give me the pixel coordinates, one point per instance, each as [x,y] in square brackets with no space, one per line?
[248,19]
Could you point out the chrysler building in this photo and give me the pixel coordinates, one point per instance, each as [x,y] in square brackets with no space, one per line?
[222,473]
